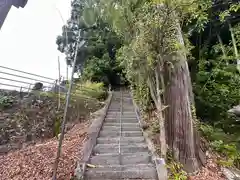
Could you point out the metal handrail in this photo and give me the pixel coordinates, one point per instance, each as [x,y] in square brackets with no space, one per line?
[23,82]
[24,77]
[33,79]
[27,73]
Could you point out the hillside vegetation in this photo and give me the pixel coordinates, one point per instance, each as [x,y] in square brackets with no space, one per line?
[38,116]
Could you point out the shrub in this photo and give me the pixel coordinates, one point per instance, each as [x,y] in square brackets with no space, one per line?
[97,69]
[216,88]
[93,90]
[6,101]
[225,144]
[142,96]
[176,171]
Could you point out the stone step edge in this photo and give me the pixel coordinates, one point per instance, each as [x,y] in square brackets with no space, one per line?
[123,144]
[142,166]
[123,154]
[144,171]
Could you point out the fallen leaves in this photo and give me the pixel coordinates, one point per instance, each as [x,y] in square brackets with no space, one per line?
[36,162]
[211,171]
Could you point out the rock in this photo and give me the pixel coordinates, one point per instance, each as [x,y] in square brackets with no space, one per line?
[4,149]
[230,174]
[79,172]
[144,125]
[235,110]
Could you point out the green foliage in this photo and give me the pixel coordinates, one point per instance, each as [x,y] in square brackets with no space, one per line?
[97,70]
[53,95]
[142,96]
[230,152]
[213,134]
[6,101]
[225,144]
[234,7]
[89,16]
[96,32]
[93,90]
[80,91]
[176,171]
[216,87]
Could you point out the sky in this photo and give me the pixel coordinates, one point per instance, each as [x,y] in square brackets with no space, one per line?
[28,38]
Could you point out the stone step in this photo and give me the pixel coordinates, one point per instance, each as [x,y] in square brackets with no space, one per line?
[123,128]
[123,133]
[135,160]
[92,178]
[110,140]
[118,104]
[123,113]
[127,110]
[123,159]
[125,148]
[140,171]
[124,120]
[128,104]
[123,117]
[122,124]
[126,107]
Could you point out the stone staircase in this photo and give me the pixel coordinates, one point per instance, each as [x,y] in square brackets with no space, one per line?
[121,151]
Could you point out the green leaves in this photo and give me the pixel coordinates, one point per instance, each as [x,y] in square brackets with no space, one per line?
[89,16]
[235,7]
[227,13]
[96,69]
[6,101]
[176,171]
[223,15]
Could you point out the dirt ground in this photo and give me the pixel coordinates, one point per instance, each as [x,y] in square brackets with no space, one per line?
[211,171]
[36,162]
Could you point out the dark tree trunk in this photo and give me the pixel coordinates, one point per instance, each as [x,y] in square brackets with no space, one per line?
[180,129]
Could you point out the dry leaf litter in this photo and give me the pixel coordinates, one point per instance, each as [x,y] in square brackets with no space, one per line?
[36,162]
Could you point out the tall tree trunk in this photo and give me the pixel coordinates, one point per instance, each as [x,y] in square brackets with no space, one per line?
[179,118]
